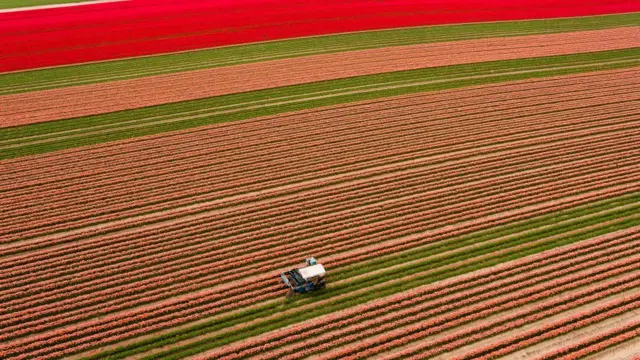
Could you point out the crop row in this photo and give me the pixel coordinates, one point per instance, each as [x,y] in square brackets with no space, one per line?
[35,224]
[401,282]
[13,318]
[73,102]
[175,67]
[508,323]
[112,294]
[218,160]
[520,269]
[563,326]
[597,343]
[550,138]
[396,314]
[236,263]
[368,291]
[335,197]
[51,201]
[67,333]
[300,136]
[188,184]
[169,240]
[406,202]
[179,139]
[187,140]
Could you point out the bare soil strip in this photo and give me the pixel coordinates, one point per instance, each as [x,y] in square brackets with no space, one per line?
[629,350]
[544,349]
[86,100]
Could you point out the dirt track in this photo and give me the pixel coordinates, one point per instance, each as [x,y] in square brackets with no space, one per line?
[50,105]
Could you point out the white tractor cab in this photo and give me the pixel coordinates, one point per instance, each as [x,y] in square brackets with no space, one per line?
[306,279]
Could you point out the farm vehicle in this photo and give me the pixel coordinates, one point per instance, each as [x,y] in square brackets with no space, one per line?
[306,279]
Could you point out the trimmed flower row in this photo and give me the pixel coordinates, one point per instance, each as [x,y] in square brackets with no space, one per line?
[110,294]
[317,171]
[169,239]
[336,202]
[563,326]
[406,312]
[415,296]
[597,343]
[50,344]
[66,238]
[265,267]
[209,256]
[403,335]
[193,171]
[268,124]
[201,299]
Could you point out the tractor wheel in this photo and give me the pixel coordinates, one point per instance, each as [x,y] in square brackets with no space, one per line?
[290,293]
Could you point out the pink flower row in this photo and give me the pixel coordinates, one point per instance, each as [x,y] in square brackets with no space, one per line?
[524,267]
[236,184]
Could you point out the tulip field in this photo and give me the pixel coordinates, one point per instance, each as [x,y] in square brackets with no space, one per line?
[472,190]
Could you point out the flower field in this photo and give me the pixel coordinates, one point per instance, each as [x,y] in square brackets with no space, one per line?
[144,27]
[473,191]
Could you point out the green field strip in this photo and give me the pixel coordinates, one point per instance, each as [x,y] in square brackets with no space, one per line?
[13,4]
[528,236]
[210,107]
[231,55]
[584,211]
[162,118]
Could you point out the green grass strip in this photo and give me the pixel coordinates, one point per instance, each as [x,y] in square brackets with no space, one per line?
[434,263]
[70,133]
[231,55]
[12,4]
[481,236]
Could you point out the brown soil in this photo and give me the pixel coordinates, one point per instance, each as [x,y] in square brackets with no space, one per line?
[49,105]
[629,350]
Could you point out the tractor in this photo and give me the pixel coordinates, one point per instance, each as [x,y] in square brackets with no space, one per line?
[306,279]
